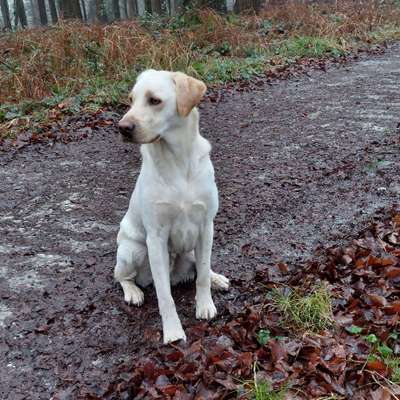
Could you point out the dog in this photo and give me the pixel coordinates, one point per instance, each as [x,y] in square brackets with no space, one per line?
[166,236]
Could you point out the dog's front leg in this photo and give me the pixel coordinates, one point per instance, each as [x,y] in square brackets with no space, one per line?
[159,265]
[205,308]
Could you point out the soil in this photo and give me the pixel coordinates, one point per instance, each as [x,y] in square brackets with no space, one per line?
[300,165]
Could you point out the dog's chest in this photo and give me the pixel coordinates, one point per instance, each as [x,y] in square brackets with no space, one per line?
[186,219]
[185,213]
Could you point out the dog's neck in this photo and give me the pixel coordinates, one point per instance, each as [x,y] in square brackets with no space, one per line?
[180,149]
[181,139]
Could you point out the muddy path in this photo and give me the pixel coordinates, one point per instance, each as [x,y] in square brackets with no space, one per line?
[300,164]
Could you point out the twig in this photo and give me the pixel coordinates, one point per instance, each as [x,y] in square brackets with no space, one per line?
[6,64]
[373,373]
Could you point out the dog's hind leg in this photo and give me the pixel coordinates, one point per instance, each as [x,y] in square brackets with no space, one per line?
[184,270]
[130,257]
[219,282]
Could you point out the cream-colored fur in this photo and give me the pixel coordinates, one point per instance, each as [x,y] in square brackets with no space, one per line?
[168,228]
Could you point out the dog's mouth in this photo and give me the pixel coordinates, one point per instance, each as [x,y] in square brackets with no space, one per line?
[156,139]
[131,139]
[127,139]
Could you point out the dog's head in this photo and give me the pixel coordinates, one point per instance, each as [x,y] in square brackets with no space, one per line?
[160,101]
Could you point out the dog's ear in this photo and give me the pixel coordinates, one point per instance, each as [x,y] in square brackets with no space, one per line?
[189,92]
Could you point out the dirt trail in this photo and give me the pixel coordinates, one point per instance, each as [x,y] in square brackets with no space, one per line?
[299,164]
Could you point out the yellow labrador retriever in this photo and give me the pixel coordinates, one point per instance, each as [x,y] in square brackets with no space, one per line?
[167,233]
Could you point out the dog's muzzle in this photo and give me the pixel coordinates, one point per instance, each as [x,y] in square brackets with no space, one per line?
[126,129]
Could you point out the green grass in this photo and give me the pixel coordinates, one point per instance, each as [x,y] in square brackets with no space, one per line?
[263,391]
[308,46]
[220,70]
[383,351]
[311,312]
[263,336]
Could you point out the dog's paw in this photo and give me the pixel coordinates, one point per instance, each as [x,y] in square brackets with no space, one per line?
[173,331]
[219,281]
[132,293]
[205,308]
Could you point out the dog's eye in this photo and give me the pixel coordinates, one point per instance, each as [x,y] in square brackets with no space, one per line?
[154,102]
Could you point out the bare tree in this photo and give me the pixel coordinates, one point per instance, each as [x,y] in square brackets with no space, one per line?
[53,11]
[132,8]
[34,13]
[42,11]
[5,12]
[20,14]
[246,5]
[124,9]
[156,6]
[116,9]
[175,6]
[91,14]
[70,9]
[84,14]
[101,12]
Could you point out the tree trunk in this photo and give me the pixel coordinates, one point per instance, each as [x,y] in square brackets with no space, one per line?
[175,6]
[70,9]
[246,5]
[101,12]
[124,9]
[156,7]
[141,7]
[116,10]
[42,12]
[84,14]
[53,11]
[147,6]
[91,11]
[5,12]
[20,14]
[132,8]
[35,13]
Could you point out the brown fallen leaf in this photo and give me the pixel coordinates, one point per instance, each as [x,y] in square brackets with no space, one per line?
[377,300]
[360,263]
[393,307]
[392,272]
[278,352]
[396,219]
[377,365]
[380,262]
[44,329]
[380,394]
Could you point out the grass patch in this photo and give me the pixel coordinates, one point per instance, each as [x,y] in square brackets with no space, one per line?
[384,353]
[260,389]
[263,391]
[308,46]
[310,312]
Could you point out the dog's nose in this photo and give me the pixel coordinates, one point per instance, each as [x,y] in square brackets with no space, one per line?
[126,128]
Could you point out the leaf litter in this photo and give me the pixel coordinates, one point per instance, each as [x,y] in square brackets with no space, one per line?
[219,359]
